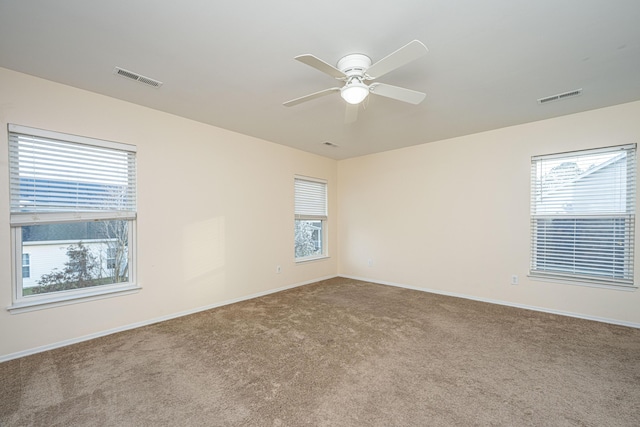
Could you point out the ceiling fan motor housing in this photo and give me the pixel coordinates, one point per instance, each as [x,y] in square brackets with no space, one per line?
[355,64]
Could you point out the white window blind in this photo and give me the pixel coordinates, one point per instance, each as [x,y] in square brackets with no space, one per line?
[53,173]
[583,215]
[310,199]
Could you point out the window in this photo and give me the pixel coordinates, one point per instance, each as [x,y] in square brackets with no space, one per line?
[26,270]
[310,218]
[583,216]
[111,258]
[73,214]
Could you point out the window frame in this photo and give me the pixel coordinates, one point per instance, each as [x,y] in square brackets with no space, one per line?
[320,214]
[19,219]
[574,249]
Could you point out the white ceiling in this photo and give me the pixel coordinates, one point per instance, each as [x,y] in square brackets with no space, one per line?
[230,64]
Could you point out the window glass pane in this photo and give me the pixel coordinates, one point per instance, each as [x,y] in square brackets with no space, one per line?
[582,184]
[75,255]
[308,238]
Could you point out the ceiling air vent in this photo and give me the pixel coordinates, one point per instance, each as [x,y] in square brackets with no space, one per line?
[330,144]
[137,77]
[560,96]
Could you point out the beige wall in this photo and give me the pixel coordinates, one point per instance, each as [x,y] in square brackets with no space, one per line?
[215,212]
[453,216]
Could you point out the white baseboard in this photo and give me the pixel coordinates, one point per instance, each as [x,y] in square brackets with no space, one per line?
[64,343]
[499,302]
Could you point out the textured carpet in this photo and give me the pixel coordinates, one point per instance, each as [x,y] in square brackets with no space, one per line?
[337,353]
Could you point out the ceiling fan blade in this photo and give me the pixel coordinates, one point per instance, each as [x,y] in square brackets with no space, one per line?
[398,93]
[351,113]
[407,53]
[311,96]
[320,65]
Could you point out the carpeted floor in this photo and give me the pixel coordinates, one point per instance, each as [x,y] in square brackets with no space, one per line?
[337,353]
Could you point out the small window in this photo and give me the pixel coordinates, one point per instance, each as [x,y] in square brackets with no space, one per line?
[310,218]
[73,206]
[583,216]
[111,258]
[26,269]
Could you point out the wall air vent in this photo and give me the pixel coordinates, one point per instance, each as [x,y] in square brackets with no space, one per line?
[137,77]
[560,96]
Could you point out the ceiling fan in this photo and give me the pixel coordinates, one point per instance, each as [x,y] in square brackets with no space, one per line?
[356,69]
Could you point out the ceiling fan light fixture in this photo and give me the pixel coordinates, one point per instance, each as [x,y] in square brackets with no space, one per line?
[354,92]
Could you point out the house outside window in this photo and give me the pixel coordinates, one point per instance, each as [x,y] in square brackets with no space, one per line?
[310,218]
[583,216]
[72,214]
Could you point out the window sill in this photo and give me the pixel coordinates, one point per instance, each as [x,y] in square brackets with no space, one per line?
[625,288]
[45,302]
[311,258]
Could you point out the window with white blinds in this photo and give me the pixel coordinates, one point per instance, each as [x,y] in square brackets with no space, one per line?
[310,199]
[72,216]
[48,174]
[583,216]
[310,218]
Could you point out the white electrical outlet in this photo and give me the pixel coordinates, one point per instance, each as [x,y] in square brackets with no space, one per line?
[514,279]
[278,269]
[370,262]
